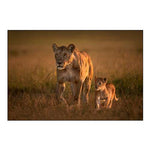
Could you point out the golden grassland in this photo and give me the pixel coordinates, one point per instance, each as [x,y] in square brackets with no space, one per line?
[32,76]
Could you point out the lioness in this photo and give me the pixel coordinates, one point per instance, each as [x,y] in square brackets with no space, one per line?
[75,67]
[105,93]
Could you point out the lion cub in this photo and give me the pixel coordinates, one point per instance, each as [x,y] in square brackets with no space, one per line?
[104,93]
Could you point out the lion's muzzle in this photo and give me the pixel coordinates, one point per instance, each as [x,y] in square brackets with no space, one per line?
[60,66]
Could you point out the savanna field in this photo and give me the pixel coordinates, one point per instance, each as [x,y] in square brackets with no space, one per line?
[116,55]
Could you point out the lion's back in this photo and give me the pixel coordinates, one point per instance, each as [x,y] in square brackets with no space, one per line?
[84,61]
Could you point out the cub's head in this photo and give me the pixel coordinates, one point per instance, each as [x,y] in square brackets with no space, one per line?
[63,55]
[100,83]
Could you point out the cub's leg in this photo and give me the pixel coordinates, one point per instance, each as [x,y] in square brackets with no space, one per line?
[98,106]
[111,101]
[98,102]
[107,102]
[60,91]
[112,95]
[86,89]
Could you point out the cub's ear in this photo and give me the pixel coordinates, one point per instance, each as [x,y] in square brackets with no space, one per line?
[71,47]
[105,80]
[54,46]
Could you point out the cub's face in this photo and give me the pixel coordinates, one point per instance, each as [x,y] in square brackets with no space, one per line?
[100,83]
[63,55]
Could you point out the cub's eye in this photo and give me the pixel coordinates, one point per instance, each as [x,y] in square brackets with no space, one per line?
[65,54]
[99,83]
[56,55]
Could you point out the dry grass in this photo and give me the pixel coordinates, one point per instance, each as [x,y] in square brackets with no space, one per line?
[32,79]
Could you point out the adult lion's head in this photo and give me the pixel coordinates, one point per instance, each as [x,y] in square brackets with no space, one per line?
[63,55]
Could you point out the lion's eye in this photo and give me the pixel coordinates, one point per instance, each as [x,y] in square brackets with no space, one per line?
[56,55]
[99,83]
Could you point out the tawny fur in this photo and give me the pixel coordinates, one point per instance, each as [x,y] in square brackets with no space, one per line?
[76,67]
[104,93]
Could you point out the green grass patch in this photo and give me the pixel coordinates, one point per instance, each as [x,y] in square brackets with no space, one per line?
[129,85]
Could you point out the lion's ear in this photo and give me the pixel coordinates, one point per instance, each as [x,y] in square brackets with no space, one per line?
[54,46]
[71,47]
[105,80]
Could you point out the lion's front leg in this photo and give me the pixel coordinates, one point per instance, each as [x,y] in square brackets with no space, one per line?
[78,90]
[59,92]
[86,89]
[73,89]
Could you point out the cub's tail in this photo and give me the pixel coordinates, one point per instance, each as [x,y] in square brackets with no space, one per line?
[116,99]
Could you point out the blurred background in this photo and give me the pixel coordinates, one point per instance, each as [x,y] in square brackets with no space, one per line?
[116,55]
